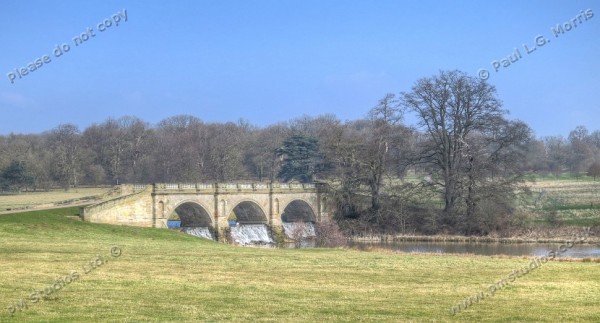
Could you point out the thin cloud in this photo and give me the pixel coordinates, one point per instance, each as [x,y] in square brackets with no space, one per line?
[15,100]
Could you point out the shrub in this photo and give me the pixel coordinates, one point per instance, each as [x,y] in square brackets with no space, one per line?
[328,234]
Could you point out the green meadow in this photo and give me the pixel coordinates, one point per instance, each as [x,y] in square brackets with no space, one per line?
[166,276]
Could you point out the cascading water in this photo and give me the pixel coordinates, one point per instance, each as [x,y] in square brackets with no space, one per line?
[299,230]
[251,234]
[201,232]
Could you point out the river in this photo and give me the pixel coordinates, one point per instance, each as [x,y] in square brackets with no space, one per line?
[487,249]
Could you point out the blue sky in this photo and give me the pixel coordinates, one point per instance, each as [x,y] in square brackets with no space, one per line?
[270,61]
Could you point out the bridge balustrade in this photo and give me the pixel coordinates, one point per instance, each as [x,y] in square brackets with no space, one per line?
[228,186]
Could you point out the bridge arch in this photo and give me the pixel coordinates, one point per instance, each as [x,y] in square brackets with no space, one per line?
[299,210]
[297,219]
[248,211]
[192,214]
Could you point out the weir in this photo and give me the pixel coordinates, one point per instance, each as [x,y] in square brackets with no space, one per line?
[251,234]
[200,232]
[299,230]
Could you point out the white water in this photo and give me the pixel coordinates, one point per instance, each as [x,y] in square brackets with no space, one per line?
[247,234]
[201,232]
[299,230]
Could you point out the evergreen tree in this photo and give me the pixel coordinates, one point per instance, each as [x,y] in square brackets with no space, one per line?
[15,177]
[301,159]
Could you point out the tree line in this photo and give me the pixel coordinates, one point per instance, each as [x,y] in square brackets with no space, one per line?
[456,170]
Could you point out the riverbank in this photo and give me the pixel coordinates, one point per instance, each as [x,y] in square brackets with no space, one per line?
[379,249]
[549,236]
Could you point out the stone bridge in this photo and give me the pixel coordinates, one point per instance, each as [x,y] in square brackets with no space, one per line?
[213,205]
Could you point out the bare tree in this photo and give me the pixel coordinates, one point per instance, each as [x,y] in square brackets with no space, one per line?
[179,151]
[492,172]
[536,160]
[594,170]
[582,150]
[260,158]
[463,120]
[64,142]
[345,149]
[557,153]
[117,145]
[384,117]
[225,142]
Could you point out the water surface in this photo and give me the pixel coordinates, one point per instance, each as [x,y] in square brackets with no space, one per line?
[488,249]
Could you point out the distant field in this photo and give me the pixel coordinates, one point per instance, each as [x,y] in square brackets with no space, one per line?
[12,201]
[573,201]
[167,276]
[568,192]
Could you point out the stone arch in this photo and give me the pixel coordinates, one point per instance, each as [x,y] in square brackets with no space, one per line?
[299,210]
[193,214]
[249,211]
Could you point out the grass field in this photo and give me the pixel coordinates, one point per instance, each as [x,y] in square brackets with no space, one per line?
[163,276]
[569,191]
[573,201]
[28,199]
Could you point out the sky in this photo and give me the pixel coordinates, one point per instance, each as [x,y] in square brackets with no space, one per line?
[271,61]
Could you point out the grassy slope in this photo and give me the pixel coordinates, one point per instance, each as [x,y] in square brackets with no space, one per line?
[167,276]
